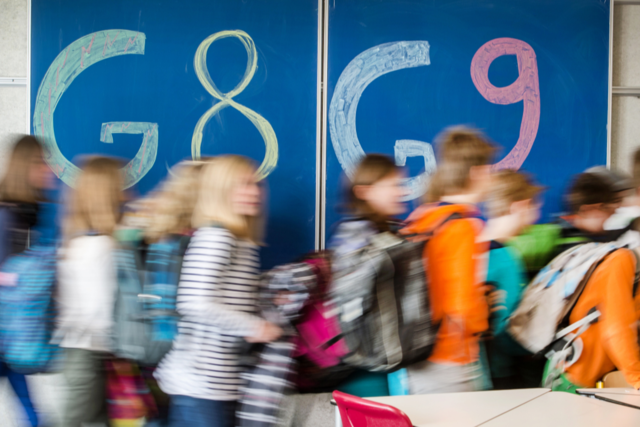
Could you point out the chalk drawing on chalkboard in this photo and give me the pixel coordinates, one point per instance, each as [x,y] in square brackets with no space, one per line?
[526,88]
[146,156]
[226,99]
[361,71]
[68,65]
[404,148]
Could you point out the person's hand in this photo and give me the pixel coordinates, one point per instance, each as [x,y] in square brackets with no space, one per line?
[266,333]
[497,300]
[282,298]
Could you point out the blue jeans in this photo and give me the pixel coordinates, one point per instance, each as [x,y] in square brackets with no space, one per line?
[19,384]
[188,411]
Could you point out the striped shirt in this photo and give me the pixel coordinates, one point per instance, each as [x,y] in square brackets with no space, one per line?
[217,300]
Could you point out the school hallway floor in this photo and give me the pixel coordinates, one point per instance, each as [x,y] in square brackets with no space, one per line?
[46,393]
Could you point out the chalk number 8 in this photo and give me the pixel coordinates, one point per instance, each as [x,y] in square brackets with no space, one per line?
[226,99]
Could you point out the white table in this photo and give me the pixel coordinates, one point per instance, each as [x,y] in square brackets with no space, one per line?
[623,391]
[459,409]
[630,400]
[567,410]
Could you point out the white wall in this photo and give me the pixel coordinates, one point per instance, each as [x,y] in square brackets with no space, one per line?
[13,63]
[625,130]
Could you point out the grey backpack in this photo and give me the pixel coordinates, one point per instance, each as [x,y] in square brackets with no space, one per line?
[552,294]
[384,310]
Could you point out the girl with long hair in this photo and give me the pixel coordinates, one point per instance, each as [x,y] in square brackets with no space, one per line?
[21,199]
[87,287]
[373,200]
[217,298]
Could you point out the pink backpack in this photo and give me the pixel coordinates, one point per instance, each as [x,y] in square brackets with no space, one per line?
[128,398]
[319,345]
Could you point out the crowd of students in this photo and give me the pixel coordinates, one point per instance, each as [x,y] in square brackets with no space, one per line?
[482,250]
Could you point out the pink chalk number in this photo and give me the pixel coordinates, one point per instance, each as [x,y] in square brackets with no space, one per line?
[526,88]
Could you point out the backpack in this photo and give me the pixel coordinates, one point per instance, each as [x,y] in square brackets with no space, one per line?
[319,344]
[129,400]
[385,315]
[162,268]
[27,309]
[549,299]
[131,332]
[145,314]
[28,280]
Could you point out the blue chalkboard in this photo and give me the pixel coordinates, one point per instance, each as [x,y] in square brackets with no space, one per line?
[156,82]
[533,74]
[153,82]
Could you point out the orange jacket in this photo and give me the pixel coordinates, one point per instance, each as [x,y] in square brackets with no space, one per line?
[456,265]
[612,342]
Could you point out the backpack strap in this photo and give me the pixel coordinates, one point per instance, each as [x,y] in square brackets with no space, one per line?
[5,226]
[453,216]
[578,293]
[566,350]
[580,289]
[184,243]
[417,237]
[585,322]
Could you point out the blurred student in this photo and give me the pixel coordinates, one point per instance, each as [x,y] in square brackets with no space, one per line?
[166,220]
[87,287]
[592,200]
[170,209]
[167,230]
[456,264]
[541,243]
[619,226]
[626,193]
[612,341]
[512,206]
[22,194]
[21,199]
[373,200]
[624,221]
[217,298]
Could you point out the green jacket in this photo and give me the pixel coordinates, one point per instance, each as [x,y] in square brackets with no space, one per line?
[539,244]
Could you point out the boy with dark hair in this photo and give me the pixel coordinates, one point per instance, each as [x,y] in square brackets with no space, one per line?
[591,200]
[612,341]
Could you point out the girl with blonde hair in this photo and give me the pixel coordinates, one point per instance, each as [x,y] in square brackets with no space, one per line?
[88,285]
[217,297]
[170,209]
[167,229]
